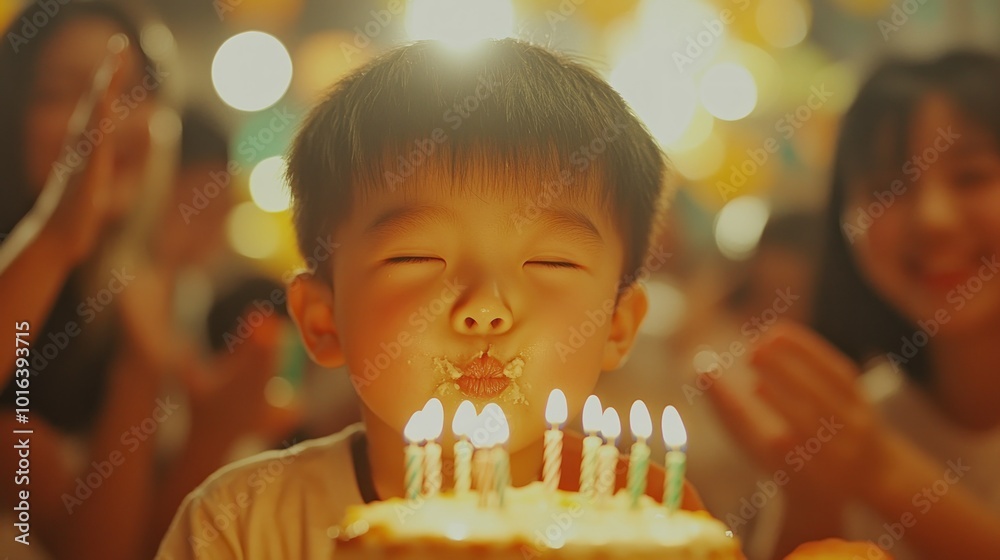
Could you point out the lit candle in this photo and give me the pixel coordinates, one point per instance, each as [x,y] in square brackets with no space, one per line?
[461,425]
[501,460]
[555,415]
[607,455]
[675,438]
[485,439]
[592,418]
[484,474]
[638,462]
[433,421]
[413,432]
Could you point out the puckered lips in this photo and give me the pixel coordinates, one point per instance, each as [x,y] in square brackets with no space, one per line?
[483,377]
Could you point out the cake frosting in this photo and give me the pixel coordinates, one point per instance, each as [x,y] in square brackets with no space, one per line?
[532,523]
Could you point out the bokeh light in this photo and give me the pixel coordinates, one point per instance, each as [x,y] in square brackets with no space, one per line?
[251,71]
[728,91]
[268,188]
[322,59]
[157,40]
[783,23]
[739,225]
[460,23]
[700,161]
[667,103]
[252,232]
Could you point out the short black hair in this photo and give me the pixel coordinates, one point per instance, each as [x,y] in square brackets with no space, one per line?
[875,136]
[518,118]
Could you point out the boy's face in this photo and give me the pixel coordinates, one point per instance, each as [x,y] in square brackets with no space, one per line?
[425,282]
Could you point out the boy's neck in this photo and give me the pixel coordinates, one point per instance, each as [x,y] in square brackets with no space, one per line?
[385,457]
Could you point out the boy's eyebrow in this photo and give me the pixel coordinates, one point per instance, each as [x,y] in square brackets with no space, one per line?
[566,221]
[405,218]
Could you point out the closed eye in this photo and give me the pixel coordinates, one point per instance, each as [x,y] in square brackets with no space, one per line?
[409,259]
[555,264]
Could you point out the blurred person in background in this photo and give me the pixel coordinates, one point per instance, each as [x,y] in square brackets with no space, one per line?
[90,384]
[221,355]
[906,456]
[104,344]
[704,315]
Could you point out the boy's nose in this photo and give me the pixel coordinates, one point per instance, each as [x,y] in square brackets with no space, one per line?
[482,314]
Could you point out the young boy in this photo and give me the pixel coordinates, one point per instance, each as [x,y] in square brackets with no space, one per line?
[490,213]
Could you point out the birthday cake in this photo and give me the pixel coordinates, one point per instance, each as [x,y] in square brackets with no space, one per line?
[532,523]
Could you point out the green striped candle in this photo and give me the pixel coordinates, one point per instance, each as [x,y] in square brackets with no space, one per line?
[414,457]
[638,462]
[675,438]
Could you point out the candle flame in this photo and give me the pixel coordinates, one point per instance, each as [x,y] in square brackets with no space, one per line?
[611,424]
[592,413]
[674,434]
[465,418]
[490,425]
[413,432]
[555,410]
[433,419]
[639,420]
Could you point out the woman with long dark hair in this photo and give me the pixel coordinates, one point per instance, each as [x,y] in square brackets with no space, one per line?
[910,281]
[90,489]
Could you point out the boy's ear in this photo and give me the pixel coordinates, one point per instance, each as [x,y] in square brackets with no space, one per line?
[629,313]
[310,303]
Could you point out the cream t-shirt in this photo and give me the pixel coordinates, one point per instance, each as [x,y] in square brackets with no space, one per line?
[278,504]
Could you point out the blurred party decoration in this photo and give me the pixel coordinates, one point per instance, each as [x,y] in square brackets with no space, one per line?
[251,71]
[268,188]
[728,91]
[157,40]
[274,15]
[739,225]
[323,58]
[252,232]
[700,161]
[783,23]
